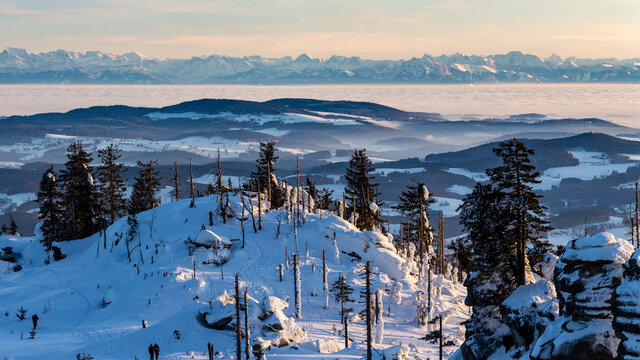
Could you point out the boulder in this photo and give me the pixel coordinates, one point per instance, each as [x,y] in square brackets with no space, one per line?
[220,313]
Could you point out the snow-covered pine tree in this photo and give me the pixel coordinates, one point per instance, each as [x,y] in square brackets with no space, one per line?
[361,191]
[111,183]
[50,213]
[80,199]
[520,205]
[264,173]
[145,188]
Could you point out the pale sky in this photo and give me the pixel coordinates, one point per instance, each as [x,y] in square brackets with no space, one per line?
[377,29]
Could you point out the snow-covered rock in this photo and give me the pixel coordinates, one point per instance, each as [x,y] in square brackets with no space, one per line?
[220,313]
[626,310]
[547,266]
[520,311]
[586,276]
[485,330]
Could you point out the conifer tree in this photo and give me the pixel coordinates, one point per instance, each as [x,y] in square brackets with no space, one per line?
[312,191]
[112,185]
[482,219]
[145,188]
[4,229]
[361,191]
[264,174]
[325,199]
[520,205]
[342,291]
[176,183]
[80,198]
[13,227]
[50,211]
[132,221]
[414,202]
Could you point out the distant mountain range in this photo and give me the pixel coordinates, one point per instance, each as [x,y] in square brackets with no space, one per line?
[95,67]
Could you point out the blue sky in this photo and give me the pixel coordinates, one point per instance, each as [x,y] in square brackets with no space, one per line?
[390,29]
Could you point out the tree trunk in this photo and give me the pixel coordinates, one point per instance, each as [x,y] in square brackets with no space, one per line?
[346,331]
[259,207]
[368,310]
[238,322]
[246,326]
[298,188]
[637,217]
[325,284]
[242,218]
[193,190]
[297,289]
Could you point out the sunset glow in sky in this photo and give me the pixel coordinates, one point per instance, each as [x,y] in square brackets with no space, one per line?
[379,29]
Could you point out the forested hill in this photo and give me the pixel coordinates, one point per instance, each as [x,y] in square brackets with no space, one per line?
[548,153]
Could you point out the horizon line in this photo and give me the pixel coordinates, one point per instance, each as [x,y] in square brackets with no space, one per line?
[320,58]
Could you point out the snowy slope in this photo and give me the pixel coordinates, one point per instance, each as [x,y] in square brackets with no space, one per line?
[69,296]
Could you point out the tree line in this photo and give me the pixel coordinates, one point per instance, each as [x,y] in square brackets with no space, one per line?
[502,216]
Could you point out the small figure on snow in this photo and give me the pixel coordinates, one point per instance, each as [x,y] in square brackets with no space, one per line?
[156,350]
[151,351]
[35,319]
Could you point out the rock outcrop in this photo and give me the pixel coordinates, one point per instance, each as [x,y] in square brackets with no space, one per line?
[528,311]
[626,310]
[586,277]
[485,331]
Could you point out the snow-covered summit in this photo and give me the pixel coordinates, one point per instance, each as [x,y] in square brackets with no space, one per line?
[18,65]
[96,299]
